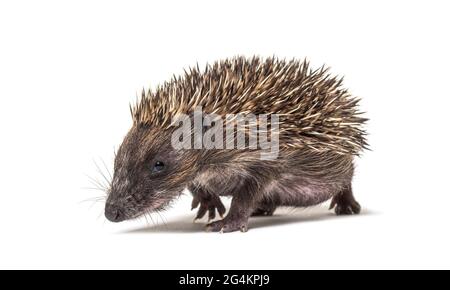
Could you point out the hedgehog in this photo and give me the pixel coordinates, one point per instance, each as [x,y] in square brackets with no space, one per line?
[317,126]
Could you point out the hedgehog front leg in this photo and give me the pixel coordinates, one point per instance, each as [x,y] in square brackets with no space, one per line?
[236,219]
[208,203]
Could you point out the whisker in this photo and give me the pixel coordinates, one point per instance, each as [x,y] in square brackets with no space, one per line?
[108,182]
[150,216]
[107,169]
[94,199]
[162,218]
[96,182]
[94,188]
[146,220]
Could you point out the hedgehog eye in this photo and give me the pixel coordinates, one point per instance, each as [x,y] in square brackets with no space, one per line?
[158,166]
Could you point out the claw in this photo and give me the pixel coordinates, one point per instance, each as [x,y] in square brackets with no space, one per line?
[195,202]
[208,205]
[208,229]
[345,205]
[332,204]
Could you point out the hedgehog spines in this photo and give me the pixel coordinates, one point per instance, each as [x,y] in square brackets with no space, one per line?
[316,112]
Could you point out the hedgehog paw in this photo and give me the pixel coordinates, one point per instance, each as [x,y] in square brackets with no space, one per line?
[345,205]
[264,210]
[228,225]
[209,204]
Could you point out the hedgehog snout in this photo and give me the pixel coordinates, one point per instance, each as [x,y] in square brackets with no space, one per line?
[114,213]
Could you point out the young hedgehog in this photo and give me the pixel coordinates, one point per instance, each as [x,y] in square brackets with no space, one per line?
[320,131]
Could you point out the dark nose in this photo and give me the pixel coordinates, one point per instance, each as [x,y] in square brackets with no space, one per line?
[114,213]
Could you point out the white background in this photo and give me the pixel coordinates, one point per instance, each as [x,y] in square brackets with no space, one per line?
[68,70]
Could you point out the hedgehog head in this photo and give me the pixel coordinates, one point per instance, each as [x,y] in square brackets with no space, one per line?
[148,173]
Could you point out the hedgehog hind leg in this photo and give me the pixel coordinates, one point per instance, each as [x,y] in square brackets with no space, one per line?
[344,203]
[265,208]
